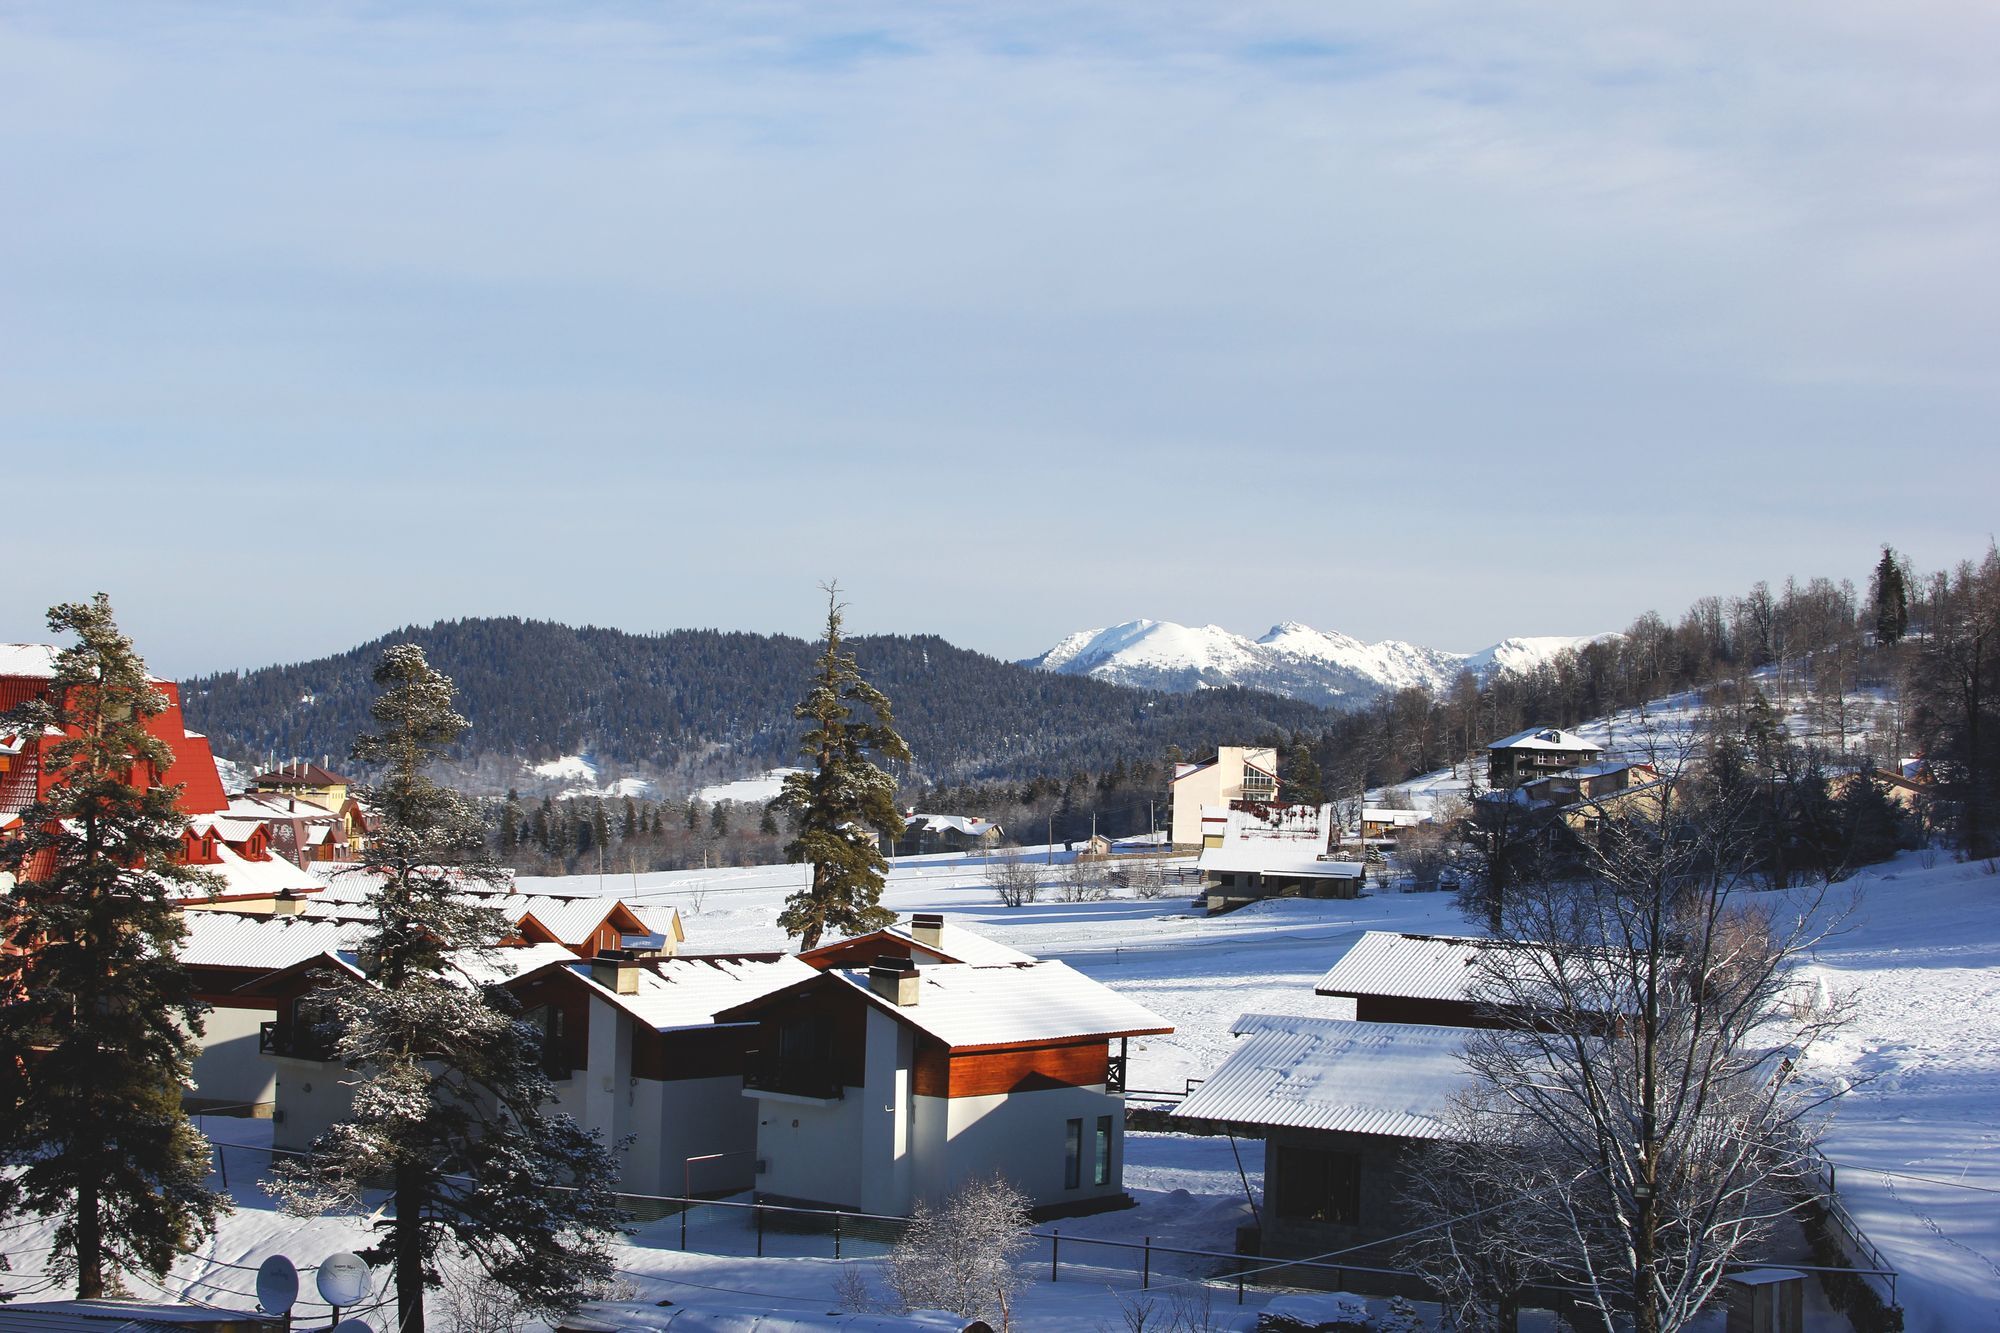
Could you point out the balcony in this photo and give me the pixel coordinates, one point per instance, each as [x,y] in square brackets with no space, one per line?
[295,1043]
[810,1080]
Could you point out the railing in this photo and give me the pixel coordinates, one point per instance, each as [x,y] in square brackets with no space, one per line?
[814,1080]
[1859,1248]
[276,1038]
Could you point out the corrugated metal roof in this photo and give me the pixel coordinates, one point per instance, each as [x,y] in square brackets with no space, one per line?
[1416,967]
[676,993]
[964,946]
[224,939]
[1394,1079]
[966,1007]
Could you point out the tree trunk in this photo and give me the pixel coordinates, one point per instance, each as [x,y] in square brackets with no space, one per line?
[89,1244]
[409,1247]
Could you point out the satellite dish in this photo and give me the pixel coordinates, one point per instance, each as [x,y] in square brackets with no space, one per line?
[343,1279]
[353,1326]
[277,1285]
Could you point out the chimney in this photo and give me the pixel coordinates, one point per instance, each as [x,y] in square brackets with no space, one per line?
[894,979]
[287,903]
[616,970]
[927,929]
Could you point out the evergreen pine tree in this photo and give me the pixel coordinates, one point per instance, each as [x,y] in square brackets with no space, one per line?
[600,825]
[631,826]
[1299,776]
[768,823]
[718,820]
[692,814]
[1892,600]
[510,822]
[843,805]
[452,1112]
[95,1009]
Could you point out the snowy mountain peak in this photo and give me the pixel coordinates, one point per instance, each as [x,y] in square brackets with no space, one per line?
[1292,658]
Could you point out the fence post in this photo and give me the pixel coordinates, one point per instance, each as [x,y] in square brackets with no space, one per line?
[1239,1286]
[684,1224]
[1146,1274]
[1055,1254]
[759,1209]
[836,1235]
[222,1164]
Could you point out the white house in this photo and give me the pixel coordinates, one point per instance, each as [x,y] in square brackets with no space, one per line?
[1236,773]
[1270,851]
[881,1086]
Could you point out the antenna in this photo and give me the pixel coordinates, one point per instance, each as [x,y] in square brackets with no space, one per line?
[277,1285]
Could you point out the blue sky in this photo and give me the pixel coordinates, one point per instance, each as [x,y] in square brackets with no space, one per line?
[1437,322]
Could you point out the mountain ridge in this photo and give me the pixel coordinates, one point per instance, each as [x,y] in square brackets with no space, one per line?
[1324,667]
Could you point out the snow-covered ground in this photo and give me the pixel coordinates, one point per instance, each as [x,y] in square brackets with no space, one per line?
[1917,1142]
[758,789]
[580,772]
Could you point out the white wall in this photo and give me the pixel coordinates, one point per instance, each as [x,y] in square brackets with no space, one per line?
[311,1096]
[1021,1135]
[230,1071]
[810,1150]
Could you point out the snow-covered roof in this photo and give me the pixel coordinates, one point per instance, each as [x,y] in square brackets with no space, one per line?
[1382,814]
[226,939]
[1299,859]
[300,774]
[491,967]
[1394,1079]
[1417,967]
[955,944]
[962,946]
[571,920]
[1546,738]
[680,993]
[967,1007]
[277,805]
[972,826]
[36,661]
[244,878]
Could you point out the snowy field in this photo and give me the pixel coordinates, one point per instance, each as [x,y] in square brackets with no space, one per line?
[1917,1141]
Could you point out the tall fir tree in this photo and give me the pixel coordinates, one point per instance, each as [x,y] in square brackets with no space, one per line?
[1892,600]
[1299,776]
[96,1013]
[844,804]
[451,1111]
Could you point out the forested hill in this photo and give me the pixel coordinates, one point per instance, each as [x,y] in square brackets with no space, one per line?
[695,704]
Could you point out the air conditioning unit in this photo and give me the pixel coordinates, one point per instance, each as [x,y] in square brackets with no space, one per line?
[278,1115]
[763,1166]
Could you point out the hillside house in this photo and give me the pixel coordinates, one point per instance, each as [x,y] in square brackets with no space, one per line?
[1275,851]
[306,780]
[224,953]
[311,1088]
[1381,823]
[881,1086]
[1235,773]
[634,1049]
[929,834]
[1341,1105]
[26,672]
[1537,752]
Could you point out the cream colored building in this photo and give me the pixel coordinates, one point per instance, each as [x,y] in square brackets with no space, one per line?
[1236,773]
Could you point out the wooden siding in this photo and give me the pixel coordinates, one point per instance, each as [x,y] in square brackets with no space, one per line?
[694,1053]
[1075,1064]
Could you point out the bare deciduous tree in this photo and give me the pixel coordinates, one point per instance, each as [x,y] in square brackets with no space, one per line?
[1639,1123]
[961,1257]
[1015,879]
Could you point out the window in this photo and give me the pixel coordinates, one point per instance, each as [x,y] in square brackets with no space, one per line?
[1319,1186]
[1101,1169]
[1073,1155]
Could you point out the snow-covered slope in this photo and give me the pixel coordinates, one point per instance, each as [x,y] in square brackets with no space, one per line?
[1293,659]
